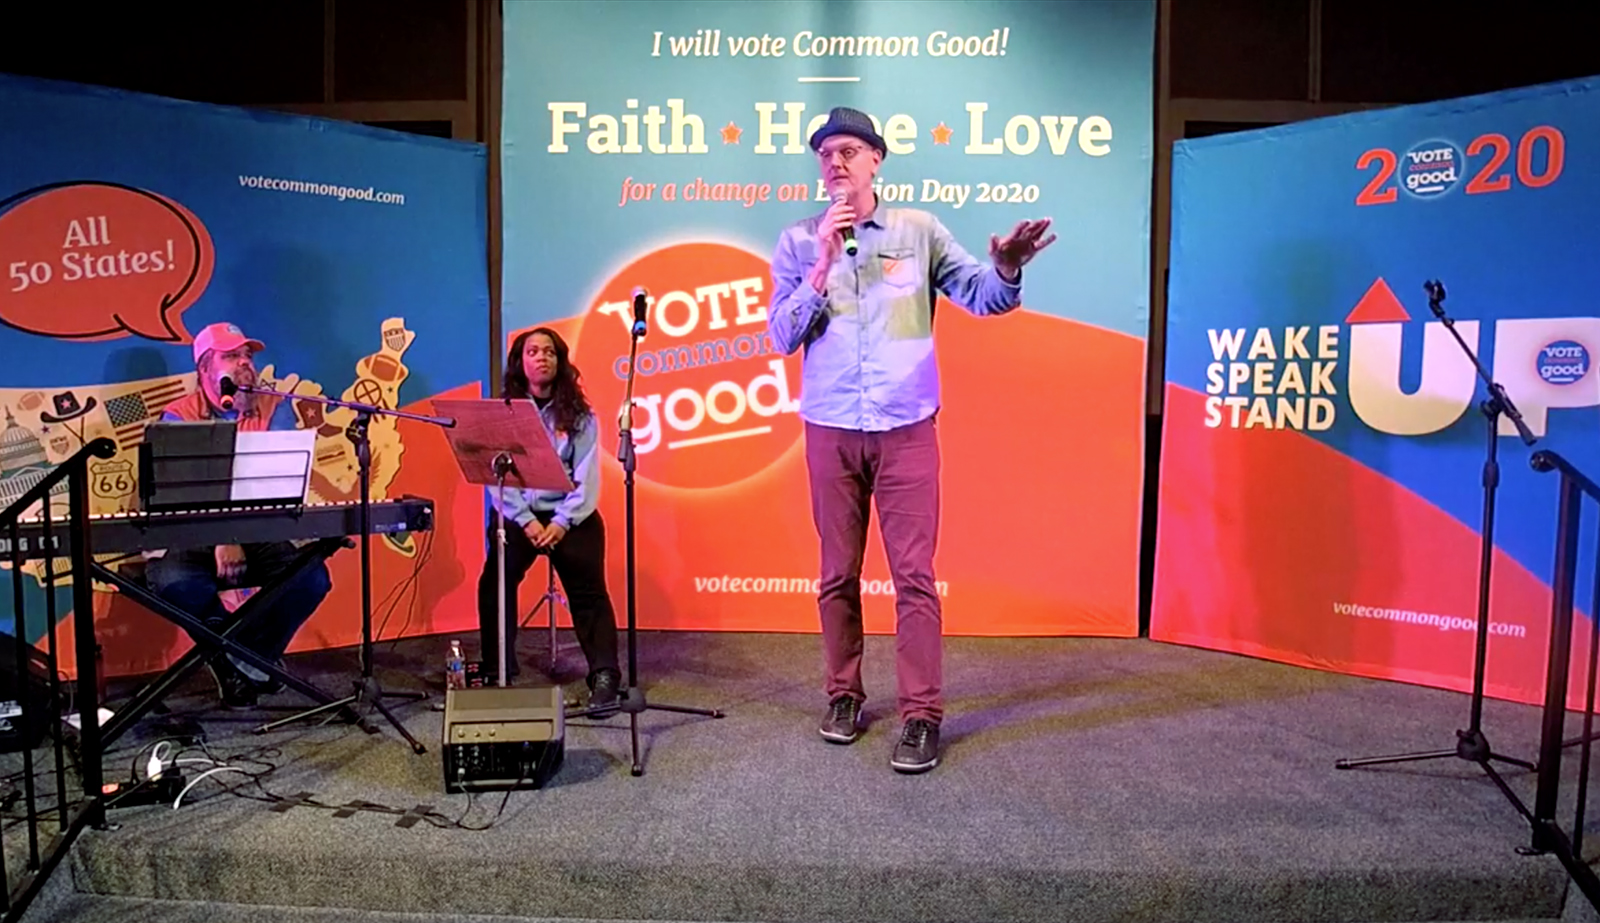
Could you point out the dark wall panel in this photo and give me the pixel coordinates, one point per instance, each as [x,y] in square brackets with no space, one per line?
[273,51]
[1382,51]
[240,52]
[387,50]
[1240,49]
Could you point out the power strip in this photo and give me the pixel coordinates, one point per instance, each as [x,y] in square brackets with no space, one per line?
[163,790]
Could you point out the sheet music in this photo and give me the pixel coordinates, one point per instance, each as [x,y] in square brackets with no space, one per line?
[274,465]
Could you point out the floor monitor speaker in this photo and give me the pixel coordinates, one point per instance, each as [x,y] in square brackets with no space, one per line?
[496,739]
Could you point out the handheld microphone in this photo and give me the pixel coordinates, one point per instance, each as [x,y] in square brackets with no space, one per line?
[227,389]
[641,300]
[849,233]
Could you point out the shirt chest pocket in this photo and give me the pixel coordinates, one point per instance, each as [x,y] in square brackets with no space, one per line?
[904,284]
[899,271]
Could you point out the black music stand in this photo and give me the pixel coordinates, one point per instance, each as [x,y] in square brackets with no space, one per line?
[189,465]
[499,443]
[195,466]
[366,688]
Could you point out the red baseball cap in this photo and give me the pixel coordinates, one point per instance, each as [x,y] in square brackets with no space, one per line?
[222,338]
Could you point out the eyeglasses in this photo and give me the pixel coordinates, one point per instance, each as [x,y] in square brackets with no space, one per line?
[848,153]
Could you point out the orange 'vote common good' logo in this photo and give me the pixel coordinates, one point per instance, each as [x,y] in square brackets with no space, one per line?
[714,402]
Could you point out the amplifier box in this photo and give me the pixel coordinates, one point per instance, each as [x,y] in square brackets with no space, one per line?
[497,739]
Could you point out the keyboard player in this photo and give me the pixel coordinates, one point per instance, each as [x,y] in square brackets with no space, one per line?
[193,578]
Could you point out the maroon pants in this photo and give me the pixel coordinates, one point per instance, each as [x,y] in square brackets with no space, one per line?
[900,470]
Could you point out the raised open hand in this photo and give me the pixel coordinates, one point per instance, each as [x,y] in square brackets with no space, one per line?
[1012,252]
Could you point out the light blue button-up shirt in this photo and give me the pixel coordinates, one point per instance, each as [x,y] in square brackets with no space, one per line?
[869,362]
[580,456]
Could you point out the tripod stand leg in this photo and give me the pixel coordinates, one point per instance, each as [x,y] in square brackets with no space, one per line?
[301,716]
[1397,758]
[1510,795]
[1513,761]
[377,702]
[365,690]
[638,765]
[684,710]
[1471,746]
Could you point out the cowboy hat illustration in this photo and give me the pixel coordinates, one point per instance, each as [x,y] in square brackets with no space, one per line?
[66,408]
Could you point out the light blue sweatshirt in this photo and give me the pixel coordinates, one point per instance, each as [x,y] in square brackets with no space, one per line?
[580,456]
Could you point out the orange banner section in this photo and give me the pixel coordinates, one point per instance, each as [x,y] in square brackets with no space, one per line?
[1358,576]
[1039,489]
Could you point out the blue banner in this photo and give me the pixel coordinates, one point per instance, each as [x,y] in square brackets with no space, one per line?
[130,222]
[1324,435]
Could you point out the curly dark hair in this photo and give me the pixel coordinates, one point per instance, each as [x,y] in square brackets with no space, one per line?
[572,408]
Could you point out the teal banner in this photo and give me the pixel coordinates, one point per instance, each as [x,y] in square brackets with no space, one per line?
[665,146]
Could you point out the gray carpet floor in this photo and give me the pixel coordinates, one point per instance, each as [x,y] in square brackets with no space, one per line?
[135,910]
[1083,780]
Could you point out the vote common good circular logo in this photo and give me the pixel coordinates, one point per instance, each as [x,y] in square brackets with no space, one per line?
[714,402]
[1563,362]
[1431,169]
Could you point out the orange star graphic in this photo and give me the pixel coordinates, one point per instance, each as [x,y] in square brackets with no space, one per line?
[731,133]
[942,133]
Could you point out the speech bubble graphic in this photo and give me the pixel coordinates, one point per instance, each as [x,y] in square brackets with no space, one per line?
[94,260]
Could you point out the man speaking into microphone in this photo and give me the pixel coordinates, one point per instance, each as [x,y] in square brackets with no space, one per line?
[855,287]
[191,578]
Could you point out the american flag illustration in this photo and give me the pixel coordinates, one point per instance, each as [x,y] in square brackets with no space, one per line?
[131,411]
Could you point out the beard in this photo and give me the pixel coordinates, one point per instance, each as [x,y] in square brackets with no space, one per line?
[243,402]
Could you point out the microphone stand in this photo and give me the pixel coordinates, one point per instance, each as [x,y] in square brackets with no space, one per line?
[1471,744]
[503,465]
[633,698]
[367,687]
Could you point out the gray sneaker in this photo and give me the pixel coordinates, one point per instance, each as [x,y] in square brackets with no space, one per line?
[918,749]
[842,723]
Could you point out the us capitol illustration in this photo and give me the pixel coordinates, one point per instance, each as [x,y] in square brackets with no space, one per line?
[23,463]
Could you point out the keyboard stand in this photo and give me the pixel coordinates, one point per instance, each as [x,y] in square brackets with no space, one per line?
[208,642]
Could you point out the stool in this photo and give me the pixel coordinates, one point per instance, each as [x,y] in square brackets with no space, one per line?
[551,598]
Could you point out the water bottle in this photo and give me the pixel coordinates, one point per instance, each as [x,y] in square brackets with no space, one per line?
[455,668]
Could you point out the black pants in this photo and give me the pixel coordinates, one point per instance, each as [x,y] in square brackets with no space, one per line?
[580,561]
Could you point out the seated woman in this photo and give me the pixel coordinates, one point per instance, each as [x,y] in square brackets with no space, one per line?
[567,526]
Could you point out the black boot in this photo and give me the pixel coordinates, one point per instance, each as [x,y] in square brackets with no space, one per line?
[603,692]
[236,689]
